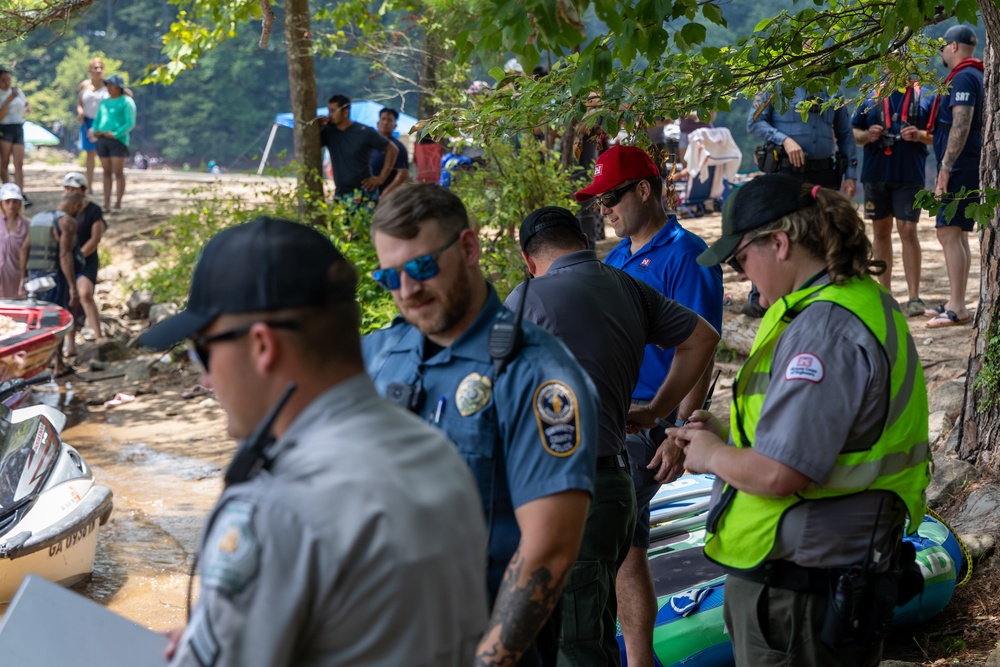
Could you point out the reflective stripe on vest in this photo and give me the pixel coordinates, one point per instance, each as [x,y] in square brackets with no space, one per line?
[744,528]
[43,255]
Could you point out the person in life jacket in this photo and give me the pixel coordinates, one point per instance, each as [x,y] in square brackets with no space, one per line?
[828,451]
[893,174]
[956,124]
[50,247]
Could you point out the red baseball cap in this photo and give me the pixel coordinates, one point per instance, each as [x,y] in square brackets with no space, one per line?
[617,165]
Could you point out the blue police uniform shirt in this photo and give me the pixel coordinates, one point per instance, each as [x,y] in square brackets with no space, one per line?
[532,433]
[966,90]
[813,135]
[668,264]
[908,158]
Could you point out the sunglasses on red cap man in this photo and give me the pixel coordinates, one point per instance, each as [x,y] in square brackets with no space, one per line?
[616,166]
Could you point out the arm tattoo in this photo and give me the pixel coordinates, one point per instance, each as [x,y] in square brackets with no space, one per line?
[960,123]
[519,612]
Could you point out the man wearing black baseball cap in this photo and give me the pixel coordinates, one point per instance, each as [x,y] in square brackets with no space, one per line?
[657,250]
[606,318]
[956,123]
[318,525]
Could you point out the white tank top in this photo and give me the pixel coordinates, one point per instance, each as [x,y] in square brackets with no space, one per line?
[90,99]
[15,110]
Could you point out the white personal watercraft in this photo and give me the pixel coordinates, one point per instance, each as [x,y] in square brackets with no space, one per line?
[50,507]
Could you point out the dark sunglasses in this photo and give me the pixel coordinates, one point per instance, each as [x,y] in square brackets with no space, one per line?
[734,263]
[609,199]
[199,345]
[424,267]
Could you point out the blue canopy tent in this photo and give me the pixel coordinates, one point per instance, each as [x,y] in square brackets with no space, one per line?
[363,111]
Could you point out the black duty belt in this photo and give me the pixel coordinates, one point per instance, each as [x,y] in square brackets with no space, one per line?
[786,574]
[612,462]
[810,165]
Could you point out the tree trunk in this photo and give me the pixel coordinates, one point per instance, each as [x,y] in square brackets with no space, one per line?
[302,84]
[980,418]
[428,73]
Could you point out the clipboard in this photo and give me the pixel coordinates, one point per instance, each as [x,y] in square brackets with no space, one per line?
[46,624]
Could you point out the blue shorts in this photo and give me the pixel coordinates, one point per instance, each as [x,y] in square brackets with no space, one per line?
[85,144]
[969,178]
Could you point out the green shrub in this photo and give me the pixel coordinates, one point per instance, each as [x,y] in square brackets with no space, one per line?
[498,195]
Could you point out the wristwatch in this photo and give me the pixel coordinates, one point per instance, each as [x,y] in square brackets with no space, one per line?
[945,166]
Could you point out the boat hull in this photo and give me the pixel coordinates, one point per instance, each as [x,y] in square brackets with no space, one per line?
[62,552]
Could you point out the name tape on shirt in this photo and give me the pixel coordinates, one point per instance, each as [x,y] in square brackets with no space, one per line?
[558,418]
[806,367]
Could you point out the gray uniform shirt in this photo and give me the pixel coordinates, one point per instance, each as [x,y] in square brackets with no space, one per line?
[349,153]
[809,418]
[363,545]
[598,313]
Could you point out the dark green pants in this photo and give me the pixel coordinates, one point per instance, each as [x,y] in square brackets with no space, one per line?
[589,604]
[774,627]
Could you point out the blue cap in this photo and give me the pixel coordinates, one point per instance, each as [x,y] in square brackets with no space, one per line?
[263,265]
[117,80]
[962,34]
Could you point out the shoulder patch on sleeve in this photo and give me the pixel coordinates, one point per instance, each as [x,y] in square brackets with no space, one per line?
[805,366]
[232,553]
[558,417]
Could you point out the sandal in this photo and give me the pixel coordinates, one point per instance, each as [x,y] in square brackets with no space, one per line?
[935,311]
[946,319]
[914,307]
[196,391]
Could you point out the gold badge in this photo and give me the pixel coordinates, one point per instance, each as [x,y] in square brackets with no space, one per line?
[230,541]
[473,394]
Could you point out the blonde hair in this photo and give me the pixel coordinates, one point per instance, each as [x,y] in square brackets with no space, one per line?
[96,61]
[830,230]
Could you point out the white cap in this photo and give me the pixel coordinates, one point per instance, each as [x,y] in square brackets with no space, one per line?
[10,191]
[75,179]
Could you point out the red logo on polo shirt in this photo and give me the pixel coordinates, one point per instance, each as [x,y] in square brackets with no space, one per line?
[646,262]
[805,366]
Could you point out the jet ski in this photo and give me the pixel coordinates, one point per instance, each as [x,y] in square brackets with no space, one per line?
[50,507]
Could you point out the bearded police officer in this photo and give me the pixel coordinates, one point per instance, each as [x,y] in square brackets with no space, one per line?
[354,537]
[523,416]
[606,318]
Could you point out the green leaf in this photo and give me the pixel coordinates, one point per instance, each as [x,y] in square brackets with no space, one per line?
[713,14]
[497,73]
[763,23]
[693,33]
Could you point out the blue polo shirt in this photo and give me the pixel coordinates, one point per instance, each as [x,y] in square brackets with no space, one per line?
[905,163]
[966,90]
[529,433]
[668,264]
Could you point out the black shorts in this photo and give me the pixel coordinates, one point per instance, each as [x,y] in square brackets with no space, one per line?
[887,198]
[107,147]
[12,133]
[90,267]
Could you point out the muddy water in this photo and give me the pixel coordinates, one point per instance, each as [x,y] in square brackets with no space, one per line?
[161,500]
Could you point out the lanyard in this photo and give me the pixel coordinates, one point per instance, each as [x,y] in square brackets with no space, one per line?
[904,114]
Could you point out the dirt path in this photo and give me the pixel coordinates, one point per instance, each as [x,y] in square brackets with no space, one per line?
[163,453]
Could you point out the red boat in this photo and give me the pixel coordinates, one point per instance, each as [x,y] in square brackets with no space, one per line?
[28,345]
